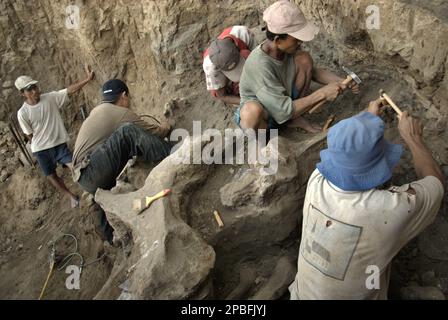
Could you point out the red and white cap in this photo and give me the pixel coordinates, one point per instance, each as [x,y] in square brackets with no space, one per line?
[226,57]
[285,17]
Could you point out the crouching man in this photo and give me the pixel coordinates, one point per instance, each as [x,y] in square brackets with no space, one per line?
[108,139]
[351,225]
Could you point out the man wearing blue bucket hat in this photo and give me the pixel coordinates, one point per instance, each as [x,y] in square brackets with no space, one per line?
[352,229]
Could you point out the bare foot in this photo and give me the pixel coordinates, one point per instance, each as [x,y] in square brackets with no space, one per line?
[74,201]
[304,124]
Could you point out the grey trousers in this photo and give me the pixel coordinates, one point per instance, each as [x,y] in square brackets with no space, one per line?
[110,158]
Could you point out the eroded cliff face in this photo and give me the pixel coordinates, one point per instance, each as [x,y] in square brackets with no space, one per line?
[157,47]
[412,37]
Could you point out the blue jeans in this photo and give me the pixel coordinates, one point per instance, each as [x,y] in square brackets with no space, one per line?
[272,124]
[110,158]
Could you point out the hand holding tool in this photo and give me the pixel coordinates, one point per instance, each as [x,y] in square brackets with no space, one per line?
[390,102]
[351,76]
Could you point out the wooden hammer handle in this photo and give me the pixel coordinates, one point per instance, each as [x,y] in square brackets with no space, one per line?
[347,81]
[392,104]
[317,107]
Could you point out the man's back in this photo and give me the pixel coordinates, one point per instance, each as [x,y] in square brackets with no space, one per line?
[99,126]
[345,233]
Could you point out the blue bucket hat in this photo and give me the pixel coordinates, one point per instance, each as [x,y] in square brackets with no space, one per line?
[358,157]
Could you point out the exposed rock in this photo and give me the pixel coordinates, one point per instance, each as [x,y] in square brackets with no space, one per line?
[246,281]
[429,280]
[8,84]
[444,285]
[250,187]
[4,176]
[162,238]
[421,293]
[282,277]
[173,261]
[433,243]
[445,170]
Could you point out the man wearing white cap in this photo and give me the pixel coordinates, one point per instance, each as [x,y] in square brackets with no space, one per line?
[41,121]
[276,80]
[224,61]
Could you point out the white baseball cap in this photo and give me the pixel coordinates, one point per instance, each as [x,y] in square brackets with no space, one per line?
[24,82]
[285,17]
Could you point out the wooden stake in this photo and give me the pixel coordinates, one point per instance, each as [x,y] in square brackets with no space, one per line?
[329,123]
[218,219]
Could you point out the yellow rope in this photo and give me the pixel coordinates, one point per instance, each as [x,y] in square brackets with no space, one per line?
[46,282]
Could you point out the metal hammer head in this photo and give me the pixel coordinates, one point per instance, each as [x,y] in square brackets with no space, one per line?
[352,75]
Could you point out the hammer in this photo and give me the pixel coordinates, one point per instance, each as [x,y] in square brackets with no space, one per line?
[390,102]
[351,76]
[140,208]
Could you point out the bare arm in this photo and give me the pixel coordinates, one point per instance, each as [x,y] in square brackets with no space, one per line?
[226,98]
[303,105]
[328,93]
[74,88]
[323,76]
[424,163]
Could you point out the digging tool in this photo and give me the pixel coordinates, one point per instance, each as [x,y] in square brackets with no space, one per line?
[218,219]
[130,163]
[390,102]
[13,128]
[151,200]
[351,76]
[65,261]
[329,123]
[50,273]
[84,112]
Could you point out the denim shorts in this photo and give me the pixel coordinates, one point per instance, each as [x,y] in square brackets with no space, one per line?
[49,159]
[272,124]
